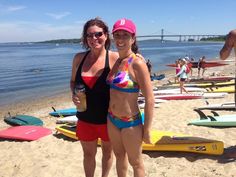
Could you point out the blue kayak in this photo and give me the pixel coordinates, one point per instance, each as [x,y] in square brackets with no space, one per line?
[63,112]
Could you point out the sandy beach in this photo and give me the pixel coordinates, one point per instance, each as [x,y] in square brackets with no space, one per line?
[56,155]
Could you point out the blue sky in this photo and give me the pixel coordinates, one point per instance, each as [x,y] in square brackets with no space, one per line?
[31,20]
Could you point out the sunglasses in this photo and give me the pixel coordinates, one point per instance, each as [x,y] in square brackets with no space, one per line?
[96,34]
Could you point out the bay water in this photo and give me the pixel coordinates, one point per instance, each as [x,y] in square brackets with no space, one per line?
[34,70]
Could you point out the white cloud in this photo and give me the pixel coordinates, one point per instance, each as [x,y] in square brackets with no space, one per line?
[58,16]
[24,31]
[15,8]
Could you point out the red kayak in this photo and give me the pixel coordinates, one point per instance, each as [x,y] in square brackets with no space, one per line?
[207,64]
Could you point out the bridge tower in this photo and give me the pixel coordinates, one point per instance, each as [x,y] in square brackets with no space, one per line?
[162,35]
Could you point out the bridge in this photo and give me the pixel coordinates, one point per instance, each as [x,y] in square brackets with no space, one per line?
[181,37]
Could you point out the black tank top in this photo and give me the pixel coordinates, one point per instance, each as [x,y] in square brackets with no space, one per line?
[97,97]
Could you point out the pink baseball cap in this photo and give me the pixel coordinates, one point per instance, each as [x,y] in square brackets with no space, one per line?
[124,24]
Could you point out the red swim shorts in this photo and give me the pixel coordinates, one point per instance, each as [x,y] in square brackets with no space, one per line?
[90,132]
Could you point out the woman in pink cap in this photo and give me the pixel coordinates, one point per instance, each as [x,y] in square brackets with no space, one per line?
[127,126]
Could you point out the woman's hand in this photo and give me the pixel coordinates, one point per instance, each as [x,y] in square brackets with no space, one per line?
[147,137]
[75,99]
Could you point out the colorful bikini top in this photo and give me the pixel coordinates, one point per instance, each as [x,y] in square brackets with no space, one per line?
[122,81]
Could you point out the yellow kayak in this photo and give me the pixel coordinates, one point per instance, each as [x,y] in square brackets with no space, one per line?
[166,141]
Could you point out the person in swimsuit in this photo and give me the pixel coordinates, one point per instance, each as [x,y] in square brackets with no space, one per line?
[182,75]
[201,66]
[90,69]
[177,69]
[127,126]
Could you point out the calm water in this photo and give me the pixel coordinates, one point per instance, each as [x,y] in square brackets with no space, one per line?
[29,71]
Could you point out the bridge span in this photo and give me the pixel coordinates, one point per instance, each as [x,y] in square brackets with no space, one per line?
[181,37]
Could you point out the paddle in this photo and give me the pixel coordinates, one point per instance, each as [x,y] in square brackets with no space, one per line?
[60,115]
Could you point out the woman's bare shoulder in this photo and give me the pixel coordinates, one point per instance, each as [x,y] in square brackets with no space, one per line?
[113,56]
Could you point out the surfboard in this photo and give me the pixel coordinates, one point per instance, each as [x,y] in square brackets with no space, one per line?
[221,106]
[142,105]
[214,120]
[67,119]
[166,141]
[63,112]
[192,90]
[228,89]
[24,133]
[141,99]
[214,95]
[205,84]
[177,90]
[184,96]
[23,120]
[212,79]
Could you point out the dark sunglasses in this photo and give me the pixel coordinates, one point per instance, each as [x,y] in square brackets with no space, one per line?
[96,34]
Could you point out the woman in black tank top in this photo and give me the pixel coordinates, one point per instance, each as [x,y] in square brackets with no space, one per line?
[94,64]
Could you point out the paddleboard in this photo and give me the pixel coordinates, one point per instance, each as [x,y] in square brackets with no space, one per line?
[23,120]
[142,105]
[24,133]
[205,84]
[63,112]
[228,89]
[211,79]
[142,99]
[67,119]
[214,95]
[214,120]
[184,96]
[223,106]
[177,90]
[166,141]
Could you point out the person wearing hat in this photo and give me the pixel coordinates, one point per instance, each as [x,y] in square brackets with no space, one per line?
[182,75]
[127,128]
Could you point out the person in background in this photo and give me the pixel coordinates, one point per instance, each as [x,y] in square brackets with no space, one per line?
[177,69]
[90,69]
[182,75]
[230,43]
[149,65]
[190,64]
[201,65]
[126,127]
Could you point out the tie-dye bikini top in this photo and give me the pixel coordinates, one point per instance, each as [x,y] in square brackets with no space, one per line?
[121,80]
